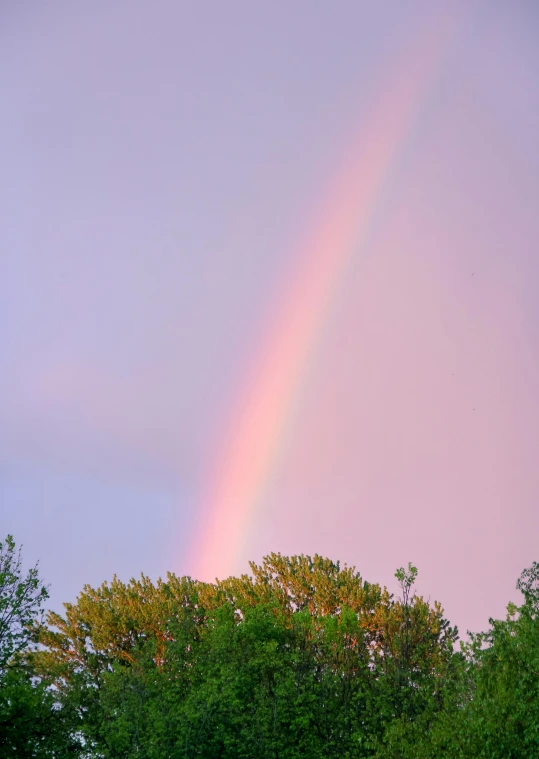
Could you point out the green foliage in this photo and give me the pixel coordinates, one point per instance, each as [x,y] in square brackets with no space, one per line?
[21,600]
[32,723]
[489,696]
[504,712]
[302,658]
[406,578]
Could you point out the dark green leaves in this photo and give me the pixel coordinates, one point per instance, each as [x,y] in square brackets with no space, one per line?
[21,600]
[301,659]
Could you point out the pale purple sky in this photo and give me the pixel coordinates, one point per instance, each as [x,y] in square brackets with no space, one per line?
[160,162]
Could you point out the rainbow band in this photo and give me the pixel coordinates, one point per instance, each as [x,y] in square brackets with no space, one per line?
[245,463]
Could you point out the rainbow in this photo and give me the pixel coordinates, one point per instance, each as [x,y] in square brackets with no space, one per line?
[240,475]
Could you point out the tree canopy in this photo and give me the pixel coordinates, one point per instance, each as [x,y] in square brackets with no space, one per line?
[300,658]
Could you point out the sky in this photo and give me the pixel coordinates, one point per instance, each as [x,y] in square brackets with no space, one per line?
[268,282]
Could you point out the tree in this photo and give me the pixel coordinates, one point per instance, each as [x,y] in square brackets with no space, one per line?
[488,700]
[32,723]
[503,715]
[21,601]
[303,658]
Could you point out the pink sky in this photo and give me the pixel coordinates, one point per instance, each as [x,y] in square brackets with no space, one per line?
[157,195]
